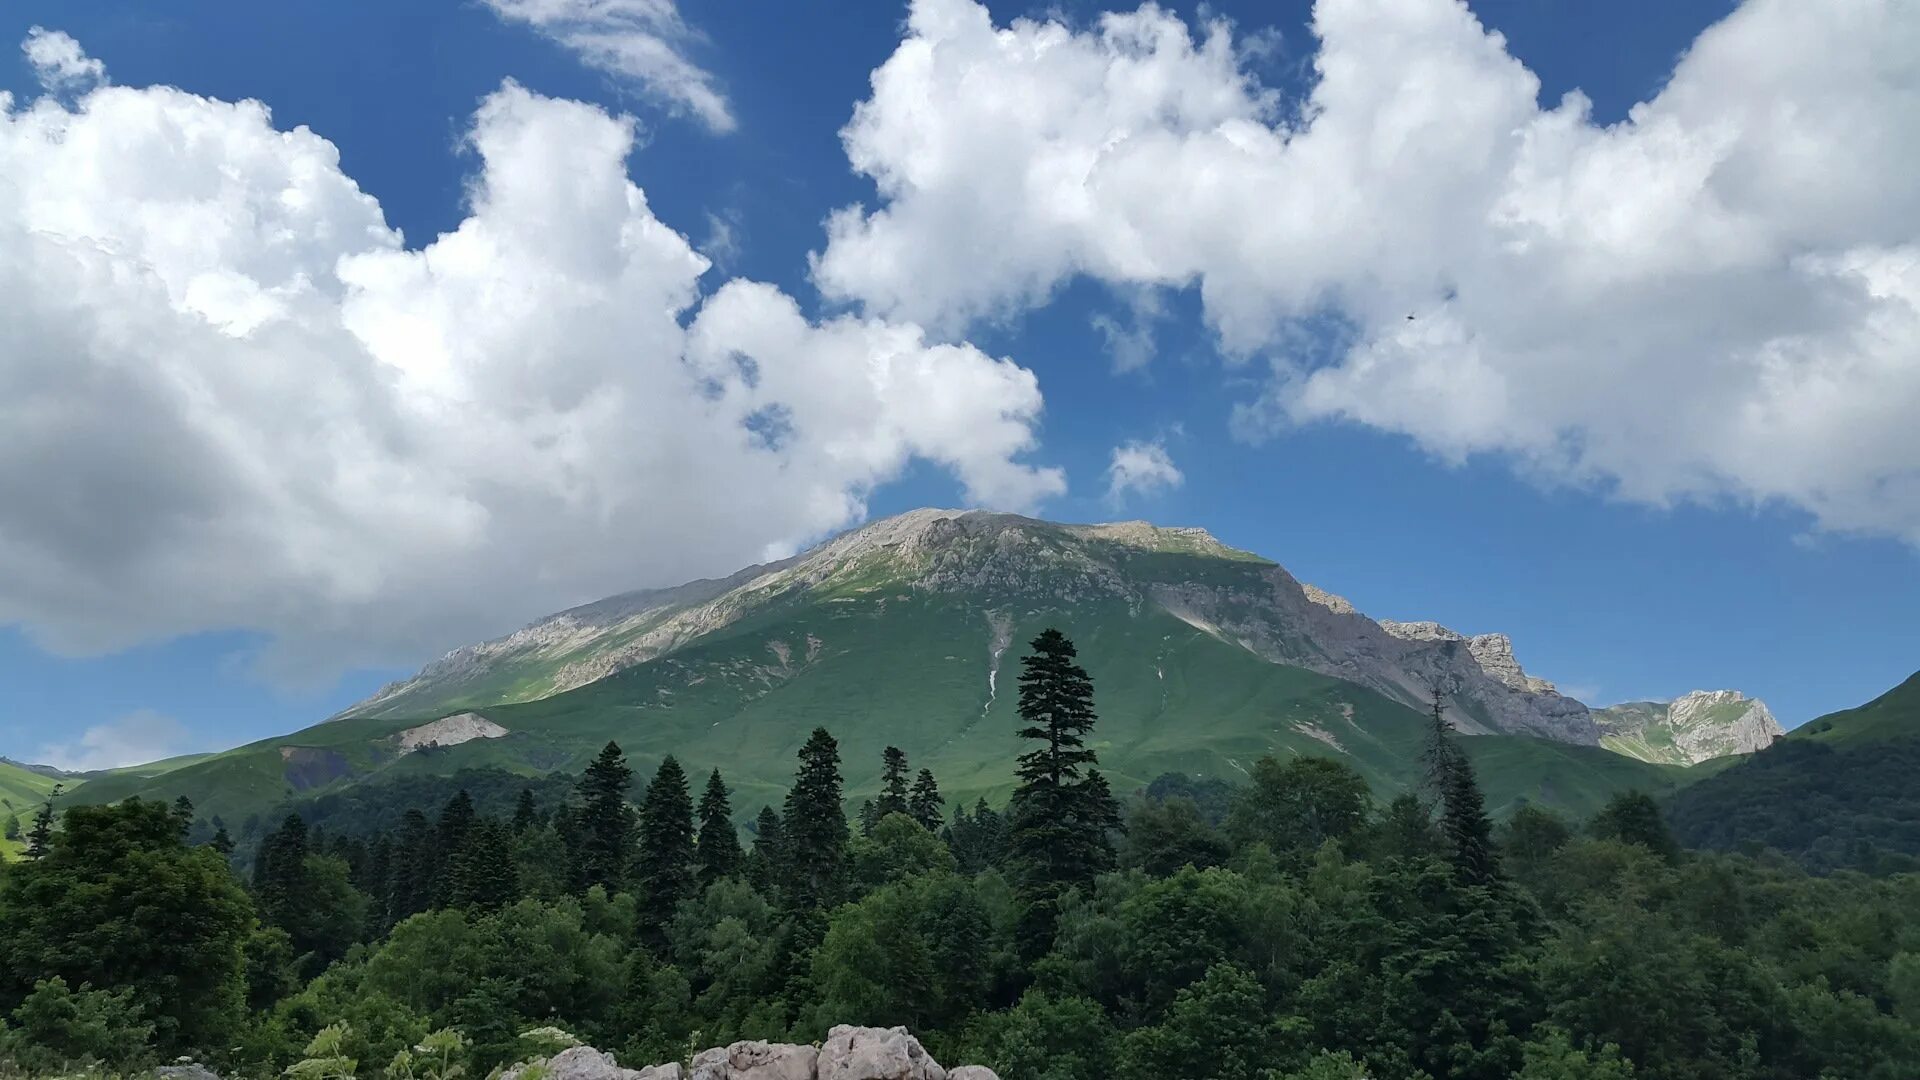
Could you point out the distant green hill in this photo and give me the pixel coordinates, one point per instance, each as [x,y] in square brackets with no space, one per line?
[909,633]
[1894,714]
[1840,792]
[22,791]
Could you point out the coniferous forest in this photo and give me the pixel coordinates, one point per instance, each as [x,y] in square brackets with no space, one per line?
[1288,926]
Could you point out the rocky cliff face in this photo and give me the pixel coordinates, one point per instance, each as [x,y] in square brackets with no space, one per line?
[1690,729]
[1001,561]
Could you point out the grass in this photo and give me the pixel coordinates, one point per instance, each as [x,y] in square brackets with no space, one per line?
[22,791]
[886,668]
[1894,714]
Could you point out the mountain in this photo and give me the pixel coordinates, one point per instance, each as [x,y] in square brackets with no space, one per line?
[907,632]
[1690,729]
[1893,715]
[1837,793]
[22,790]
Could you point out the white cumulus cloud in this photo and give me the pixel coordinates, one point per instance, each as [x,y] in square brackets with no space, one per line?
[230,397]
[60,63]
[1142,468]
[642,40]
[1716,298]
[134,739]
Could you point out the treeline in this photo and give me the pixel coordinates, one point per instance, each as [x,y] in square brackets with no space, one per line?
[1829,808]
[1290,928]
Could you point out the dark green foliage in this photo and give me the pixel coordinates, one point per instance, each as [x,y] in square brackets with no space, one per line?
[1466,832]
[1316,938]
[1210,794]
[1166,834]
[979,839]
[894,798]
[1632,817]
[1829,806]
[813,832]
[40,837]
[525,812]
[1299,805]
[119,902]
[718,846]
[605,826]
[57,1029]
[1062,811]
[925,803]
[665,871]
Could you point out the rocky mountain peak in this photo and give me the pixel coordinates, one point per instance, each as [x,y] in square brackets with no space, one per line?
[1691,728]
[1493,652]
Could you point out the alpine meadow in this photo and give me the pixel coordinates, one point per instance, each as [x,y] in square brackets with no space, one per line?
[960,540]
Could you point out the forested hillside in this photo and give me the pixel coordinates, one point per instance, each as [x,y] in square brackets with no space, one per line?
[1289,927]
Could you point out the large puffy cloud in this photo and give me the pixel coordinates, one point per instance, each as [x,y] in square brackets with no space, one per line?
[1718,297]
[643,40]
[231,397]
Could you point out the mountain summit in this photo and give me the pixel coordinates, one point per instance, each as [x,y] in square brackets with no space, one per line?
[908,632]
[1002,566]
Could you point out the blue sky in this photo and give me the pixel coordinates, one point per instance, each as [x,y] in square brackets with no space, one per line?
[1622,570]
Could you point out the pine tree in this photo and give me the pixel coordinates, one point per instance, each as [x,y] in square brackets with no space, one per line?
[925,802]
[1061,812]
[1465,830]
[450,836]
[482,875]
[718,846]
[764,863]
[893,784]
[525,814]
[665,867]
[814,828]
[280,869]
[605,826]
[40,838]
[412,878]
[183,813]
[869,817]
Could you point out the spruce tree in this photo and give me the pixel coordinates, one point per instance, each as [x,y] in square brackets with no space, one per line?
[525,814]
[413,861]
[718,846]
[183,813]
[1061,812]
[869,817]
[764,863]
[814,828]
[605,825]
[665,867]
[450,836]
[482,873]
[893,784]
[12,829]
[40,837]
[1466,832]
[925,802]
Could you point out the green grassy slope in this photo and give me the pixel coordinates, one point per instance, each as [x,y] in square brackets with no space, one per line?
[1894,714]
[21,793]
[879,667]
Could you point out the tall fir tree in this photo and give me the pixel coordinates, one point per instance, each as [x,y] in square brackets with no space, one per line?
[894,798]
[605,827]
[40,837]
[411,884]
[481,874]
[718,846]
[665,867]
[525,814]
[765,863]
[813,831]
[1466,832]
[1061,812]
[925,802]
[450,836]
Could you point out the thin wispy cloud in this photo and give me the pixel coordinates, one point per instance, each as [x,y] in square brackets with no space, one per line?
[645,41]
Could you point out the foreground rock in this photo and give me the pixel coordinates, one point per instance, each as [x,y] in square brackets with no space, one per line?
[850,1053]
